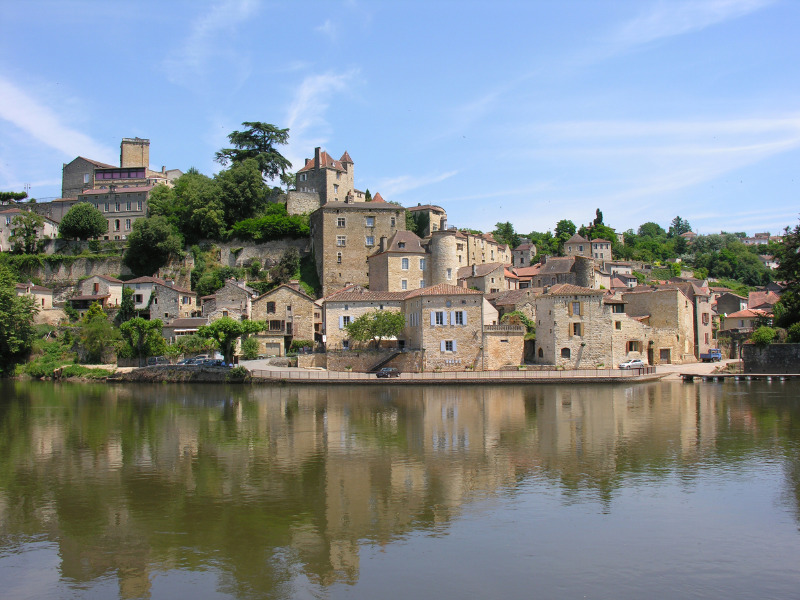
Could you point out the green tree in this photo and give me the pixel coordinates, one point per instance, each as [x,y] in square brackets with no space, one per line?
[16,324]
[565,229]
[143,338]
[96,335]
[151,244]
[679,227]
[259,142]
[127,308]
[250,348]
[244,193]
[25,237]
[505,234]
[194,207]
[83,221]
[6,197]
[598,218]
[290,181]
[226,331]
[367,196]
[288,267]
[763,336]
[651,230]
[376,326]
[788,257]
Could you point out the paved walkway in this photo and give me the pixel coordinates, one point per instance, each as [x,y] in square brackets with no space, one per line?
[698,368]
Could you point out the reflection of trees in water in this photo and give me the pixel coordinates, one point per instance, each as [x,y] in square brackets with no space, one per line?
[270,482]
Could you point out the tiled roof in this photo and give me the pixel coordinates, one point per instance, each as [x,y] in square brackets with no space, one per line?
[33,288]
[576,239]
[512,297]
[419,207]
[618,283]
[156,280]
[523,247]
[509,274]
[90,297]
[749,313]
[300,293]
[119,190]
[759,299]
[480,270]
[409,238]
[97,163]
[362,206]
[613,300]
[528,271]
[378,198]
[559,264]
[354,293]
[567,289]
[325,162]
[442,289]
[188,322]
[346,158]
[600,240]
[109,279]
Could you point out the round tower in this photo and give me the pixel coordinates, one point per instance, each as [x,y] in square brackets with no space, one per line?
[584,271]
[442,256]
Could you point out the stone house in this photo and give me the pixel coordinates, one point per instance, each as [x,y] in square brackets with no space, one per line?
[344,306]
[431,217]
[488,278]
[764,300]
[121,206]
[102,286]
[332,180]
[476,248]
[178,328]
[8,217]
[573,270]
[671,315]
[700,298]
[745,320]
[291,314]
[160,299]
[345,234]
[399,264]
[42,296]
[728,303]
[577,328]
[234,299]
[523,300]
[523,255]
[601,250]
[577,245]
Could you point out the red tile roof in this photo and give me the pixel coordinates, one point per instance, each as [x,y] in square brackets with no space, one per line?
[567,289]
[442,289]
[325,162]
[378,198]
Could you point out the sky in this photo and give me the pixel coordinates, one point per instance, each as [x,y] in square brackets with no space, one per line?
[528,111]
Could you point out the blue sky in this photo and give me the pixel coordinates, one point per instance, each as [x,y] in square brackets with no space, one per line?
[528,112]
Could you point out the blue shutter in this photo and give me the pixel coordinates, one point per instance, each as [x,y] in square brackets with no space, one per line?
[433,318]
[341,322]
[455,348]
[441,345]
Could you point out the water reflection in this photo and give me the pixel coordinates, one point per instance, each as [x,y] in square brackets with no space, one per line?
[266,487]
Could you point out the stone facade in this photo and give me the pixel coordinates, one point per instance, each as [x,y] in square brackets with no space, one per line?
[670,313]
[433,218]
[346,305]
[400,264]
[523,255]
[601,250]
[333,180]
[345,234]
[302,203]
[488,278]
[290,315]
[480,249]
[162,300]
[8,218]
[235,297]
[78,175]
[120,206]
[102,285]
[573,270]
[774,358]
[42,296]
[504,345]
[578,245]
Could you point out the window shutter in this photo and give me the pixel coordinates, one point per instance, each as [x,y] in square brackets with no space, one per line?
[444,314]
[569,308]
[581,309]
[341,322]
[569,329]
[463,312]
[453,318]
[454,346]
[441,345]
[433,318]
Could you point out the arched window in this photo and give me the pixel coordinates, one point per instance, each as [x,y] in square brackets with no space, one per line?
[565,353]
[541,354]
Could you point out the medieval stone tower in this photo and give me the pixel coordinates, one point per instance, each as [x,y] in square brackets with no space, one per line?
[134,152]
[442,257]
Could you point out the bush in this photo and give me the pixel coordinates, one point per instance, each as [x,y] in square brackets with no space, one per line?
[298,344]
[250,349]
[793,332]
[238,375]
[763,336]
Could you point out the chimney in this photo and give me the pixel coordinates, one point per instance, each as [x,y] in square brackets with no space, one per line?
[316,157]
[294,284]
[164,169]
[383,244]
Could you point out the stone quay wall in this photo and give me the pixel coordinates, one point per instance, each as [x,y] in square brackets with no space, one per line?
[774,358]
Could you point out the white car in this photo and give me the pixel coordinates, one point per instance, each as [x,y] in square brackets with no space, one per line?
[636,363]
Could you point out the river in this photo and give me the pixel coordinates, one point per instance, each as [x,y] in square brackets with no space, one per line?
[660,490]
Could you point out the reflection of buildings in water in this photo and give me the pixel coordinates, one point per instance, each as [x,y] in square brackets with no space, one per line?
[346,464]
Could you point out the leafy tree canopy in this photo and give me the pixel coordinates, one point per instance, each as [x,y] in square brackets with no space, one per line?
[143,338]
[16,324]
[6,197]
[25,237]
[505,234]
[651,230]
[679,227]
[82,221]
[258,142]
[376,326]
[96,335]
[150,245]
[226,331]
[788,256]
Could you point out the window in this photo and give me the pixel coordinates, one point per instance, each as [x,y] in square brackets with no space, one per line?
[421,283]
[633,346]
[438,317]
[404,284]
[404,264]
[303,176]
[449,345]
[105,208]
[421,264]
[401,244]
[276,325]
[335,188]
[341,240]
[370,240]
[116,205]
[617,324]
[86,178]
[705,318]
[340,222]
[339,258]
[450,273]
[139,205]
[576,308]
[459,317]
[270,308]
[369,221]
[128,206]
[576,328]
[345,344]
[116,225]
[344,321]
[393,222]
[565,353]
[618,308]
[128,224]
[580,248]
[138,298]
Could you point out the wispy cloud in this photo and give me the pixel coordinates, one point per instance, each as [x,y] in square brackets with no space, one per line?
[45,125]
[202,46]
[397,186]
[308,110]
[328,29]
[667,19]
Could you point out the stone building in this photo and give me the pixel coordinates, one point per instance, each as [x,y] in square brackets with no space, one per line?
[488,278]
[429,218]
[523,255]
[577,245]
[574,270]
[601,250]
[332,180]
[346,305]
[78,175]
[291,314]
[8,223]
[160,299]
[523,300]
[344,234]
[671,314]
[399,264]
[482,248]
[120,206]
[109,288]
[234,300]
[42,296]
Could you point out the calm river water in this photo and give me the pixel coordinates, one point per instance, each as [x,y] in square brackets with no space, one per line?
[665,490]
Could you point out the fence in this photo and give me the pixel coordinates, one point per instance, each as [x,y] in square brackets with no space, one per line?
[325,376]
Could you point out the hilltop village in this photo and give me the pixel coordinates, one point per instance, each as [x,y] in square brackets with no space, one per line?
[467,300]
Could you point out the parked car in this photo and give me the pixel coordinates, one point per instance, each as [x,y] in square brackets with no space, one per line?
[214,362]
[635,363]
[189,361]
[157,360]
[388,372]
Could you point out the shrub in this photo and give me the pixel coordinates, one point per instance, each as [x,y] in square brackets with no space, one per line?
[793,332]
[250,348]
[298,344]
[763,336]
[237,375]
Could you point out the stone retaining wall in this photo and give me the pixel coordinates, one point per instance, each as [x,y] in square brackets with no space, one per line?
[774,358]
